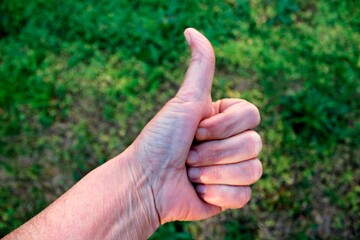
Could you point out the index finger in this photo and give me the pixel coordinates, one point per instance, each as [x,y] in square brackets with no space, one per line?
[231,116]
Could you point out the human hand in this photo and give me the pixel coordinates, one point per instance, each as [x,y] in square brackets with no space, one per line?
[193,180]
[164,175]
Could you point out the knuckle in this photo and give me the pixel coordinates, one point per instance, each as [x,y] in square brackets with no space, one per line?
[246,196]
[243,196]
[254,114]
[254,143]
[256,170]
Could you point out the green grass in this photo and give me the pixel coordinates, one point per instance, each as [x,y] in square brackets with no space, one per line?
[79,80]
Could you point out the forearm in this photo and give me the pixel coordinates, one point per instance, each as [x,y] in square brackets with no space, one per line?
[113,201]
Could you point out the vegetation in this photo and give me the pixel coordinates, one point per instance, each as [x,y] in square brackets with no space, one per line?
[79,80]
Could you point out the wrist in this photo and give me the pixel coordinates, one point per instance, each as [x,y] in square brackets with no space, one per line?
[156,174]
[135,194]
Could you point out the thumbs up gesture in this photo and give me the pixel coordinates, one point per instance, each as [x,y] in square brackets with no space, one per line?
[194,159]
[199,156]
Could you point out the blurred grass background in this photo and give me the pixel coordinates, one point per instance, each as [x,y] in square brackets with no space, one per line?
[79,80]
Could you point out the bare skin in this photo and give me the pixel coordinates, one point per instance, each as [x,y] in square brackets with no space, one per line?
[164,176]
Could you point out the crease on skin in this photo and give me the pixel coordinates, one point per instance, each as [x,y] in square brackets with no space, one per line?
[220,106]
[137,206]
[156,208]
[142,204]
[184,99]
[200,57]
[217,106]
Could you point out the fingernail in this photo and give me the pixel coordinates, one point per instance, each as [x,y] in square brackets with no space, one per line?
[202,134]
[187,36]
[200,189]
[194,173]
[193,157]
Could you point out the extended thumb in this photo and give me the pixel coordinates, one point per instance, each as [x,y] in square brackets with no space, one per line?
[199,76]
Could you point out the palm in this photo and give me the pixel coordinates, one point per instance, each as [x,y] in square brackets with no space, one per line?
[171,134]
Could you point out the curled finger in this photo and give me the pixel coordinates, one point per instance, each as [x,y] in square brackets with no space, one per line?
[224,196]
